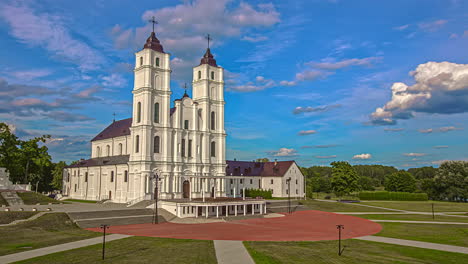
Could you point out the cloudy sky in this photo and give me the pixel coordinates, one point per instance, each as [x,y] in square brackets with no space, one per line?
[370,82]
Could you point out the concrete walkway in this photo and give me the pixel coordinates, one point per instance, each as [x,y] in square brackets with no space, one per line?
[232,252]
[418,244]
[419,222]
[57,248]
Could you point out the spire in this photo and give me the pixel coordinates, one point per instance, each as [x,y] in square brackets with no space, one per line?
[153,42]
[185,93]
[208,58]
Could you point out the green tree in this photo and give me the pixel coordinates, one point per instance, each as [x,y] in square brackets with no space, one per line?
[34,156]
[262,160]
[367,183]
[57,174]
[452,181]
[400,181]
[423,172]
[10,152]
[344,179]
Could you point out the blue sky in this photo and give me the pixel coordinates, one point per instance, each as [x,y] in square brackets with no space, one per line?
[370,82]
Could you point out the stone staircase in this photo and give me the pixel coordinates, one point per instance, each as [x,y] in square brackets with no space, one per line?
[113,217]
[12,198]
[281,206]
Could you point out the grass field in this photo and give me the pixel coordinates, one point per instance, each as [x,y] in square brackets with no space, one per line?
[138,250]
[80,201]
[338,207]
[415,217]
[8,217]
[421,206]
[32,198]
[49,229]
[2,201]
[456,235]
[356,251]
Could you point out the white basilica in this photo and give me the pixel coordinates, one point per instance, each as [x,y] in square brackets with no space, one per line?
[179,148]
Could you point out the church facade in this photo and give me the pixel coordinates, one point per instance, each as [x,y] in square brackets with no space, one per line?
[179,149]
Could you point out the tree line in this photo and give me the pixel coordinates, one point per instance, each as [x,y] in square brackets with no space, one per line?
[28,161]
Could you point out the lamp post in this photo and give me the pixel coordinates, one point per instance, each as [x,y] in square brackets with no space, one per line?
[288,181]
[339,227]
[156,183]
[104,227]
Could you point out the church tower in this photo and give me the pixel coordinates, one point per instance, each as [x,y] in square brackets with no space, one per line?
[208,92]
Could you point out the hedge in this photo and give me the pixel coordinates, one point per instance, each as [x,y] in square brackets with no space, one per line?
[393,196]
[266,194]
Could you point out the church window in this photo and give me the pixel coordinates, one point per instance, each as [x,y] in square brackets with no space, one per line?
[232,181]
[98,152]
[107,150]
[156,112]
[232,192]
[199,75]
[297,192]
[190,148]
[241,181]
[75,187]
[157,62]
[271,181]
[183,147]
[186,124]
[156,144]
[212,75]
[120,149]
[141,61]
[112,176]
[125,176]
[213,116]
[213,95]
[296,181]
[251,181]
[86,177]
[213,149]
[137,144]
[139,112]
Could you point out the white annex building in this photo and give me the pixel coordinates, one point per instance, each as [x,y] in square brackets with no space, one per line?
[180,148]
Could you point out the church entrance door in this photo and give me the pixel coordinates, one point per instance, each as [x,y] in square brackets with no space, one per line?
[186,189]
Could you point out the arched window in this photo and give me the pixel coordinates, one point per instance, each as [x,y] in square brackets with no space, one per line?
[98,152]
[112,176]
[156,144]
[213,124]
[141,61]
[137,144]
[108,150]
[212,75]
[156,112]
[199,75]
[125,176]
[120,149]
[157,62]
[213,149]
[138,112]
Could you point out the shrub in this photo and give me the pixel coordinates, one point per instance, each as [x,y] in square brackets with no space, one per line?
[266,194]
[393,196]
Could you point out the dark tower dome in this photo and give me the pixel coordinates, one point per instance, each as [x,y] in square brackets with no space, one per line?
[208,58]
[153,43]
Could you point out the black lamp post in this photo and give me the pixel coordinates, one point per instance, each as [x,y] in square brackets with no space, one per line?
[155,215]
[104,227]
[288,181]
[339,227]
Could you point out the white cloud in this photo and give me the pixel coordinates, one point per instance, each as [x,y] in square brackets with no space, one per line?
[255,38]
[30,74]
[401,28]
[311,75]
[114,80]
[284,152]
[260,84]
[310,109]
[441,87]
[414,154]
[307,132]
[335,65]
[433,25]
[426,131]
[449,128]
[363,156]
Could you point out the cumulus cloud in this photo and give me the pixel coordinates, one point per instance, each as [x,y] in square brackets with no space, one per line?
[414,154]
[306,132]
[49,32]
[363,156]
[283,152]
[441,87]
[310,109]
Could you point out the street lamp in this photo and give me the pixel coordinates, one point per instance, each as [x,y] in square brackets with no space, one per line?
[339,227]
[288,181]
[155,178]
[104,228]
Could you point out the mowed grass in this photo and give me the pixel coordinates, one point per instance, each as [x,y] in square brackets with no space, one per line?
[456,235]
[138,250]
[356,251]
[421,206]
[338,207]
[31,198]
[415,217]
[8,217]
[47,230]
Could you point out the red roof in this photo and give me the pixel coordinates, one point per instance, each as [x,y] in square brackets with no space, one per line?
[116,129]
[208,58]
[153,43]
[252,168]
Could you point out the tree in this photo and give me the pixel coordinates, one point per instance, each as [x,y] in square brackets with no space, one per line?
[423,172]
[377,172]
[367,183]
[452,181]
[57,174]
[9,152]
[262,160]
[400,181]
[344,179]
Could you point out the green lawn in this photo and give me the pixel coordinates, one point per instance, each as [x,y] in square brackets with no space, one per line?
[80,201]
[415,217]
[421,206]
[47,230]
[338,207]
[2,201]
[456,235]
[32,198]
[322,195]
[138,250]
[356,251]
[8,217]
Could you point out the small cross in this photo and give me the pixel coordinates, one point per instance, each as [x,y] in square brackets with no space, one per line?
[114,116]
[152,20]
[208,37]
[185,87]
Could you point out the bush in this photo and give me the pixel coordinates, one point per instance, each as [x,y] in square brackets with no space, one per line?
[393,196]
[328,197]
[266,194]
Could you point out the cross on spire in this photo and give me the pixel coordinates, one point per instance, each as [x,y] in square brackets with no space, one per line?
[114,116]
[153,21]
[208,38]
